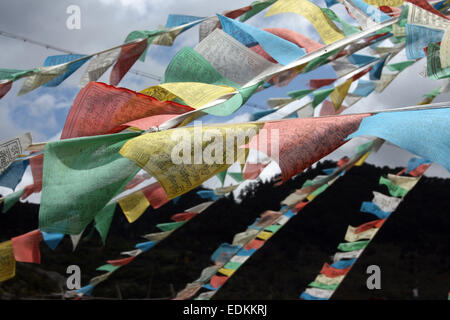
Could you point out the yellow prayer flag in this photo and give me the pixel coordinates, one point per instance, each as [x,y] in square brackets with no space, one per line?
[339,93]
[360,162]
[351,236]
[389,3]
[166,38]
[195,94]
[226,272]
[310,197]
[7,261]
[134,205]
[159,93]
[183,158]
[406,183]
[321,278]
[327,30]
[264,235]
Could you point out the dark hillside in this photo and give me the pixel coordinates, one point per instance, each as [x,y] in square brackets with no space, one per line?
[412,249]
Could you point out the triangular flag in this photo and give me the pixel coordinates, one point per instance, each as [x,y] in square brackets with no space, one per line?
[26,247]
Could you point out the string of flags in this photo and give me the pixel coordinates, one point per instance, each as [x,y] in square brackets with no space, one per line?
[358,238]
[228,258]
[116,143]
[166,229]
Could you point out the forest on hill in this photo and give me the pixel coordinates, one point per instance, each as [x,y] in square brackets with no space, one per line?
[412,248]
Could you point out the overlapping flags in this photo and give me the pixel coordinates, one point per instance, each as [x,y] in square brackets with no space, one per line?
[112,133]
[358,238]
[228,258]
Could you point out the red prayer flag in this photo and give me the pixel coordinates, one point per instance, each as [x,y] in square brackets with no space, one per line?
[254,244]
[300,40]
[299,206]
[36,164]
[304,141]
[369,225]
[4,88]
[129,54]
[99,108]
[332,272]
[319,83]
[420,170]
[217,281]
[233,14]
[343,161]
[425,5]
[155,194]
[253,170]
[121,262]
[359,75]
[328,109]
[374,37]
[185,216]
[26,247]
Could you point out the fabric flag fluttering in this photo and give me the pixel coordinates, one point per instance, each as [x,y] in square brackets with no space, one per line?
[80,176]
[153,152]
[11,149]
[7,261]
[299,140]
[422,132]
[327,30]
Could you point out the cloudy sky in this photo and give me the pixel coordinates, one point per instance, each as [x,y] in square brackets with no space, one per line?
[106,23]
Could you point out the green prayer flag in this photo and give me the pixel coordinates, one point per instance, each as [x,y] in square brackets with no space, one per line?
[434,68]
[384,30]
[314,63]
[347,28]
[234,103]
[13,74]
[103,220]
[394,190]
[363,148]
[189,66]
[399,66]
[353,246]
[324,286]
[143,34]
[257,7]
[236,176]
[222,175]
[310,182]
[320,95]
[108,267]
[298,94]
[232,265]
[80,177]
[434,93]
[170,225]
[10,200]
[403,18]
[273,228]
[319,190]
